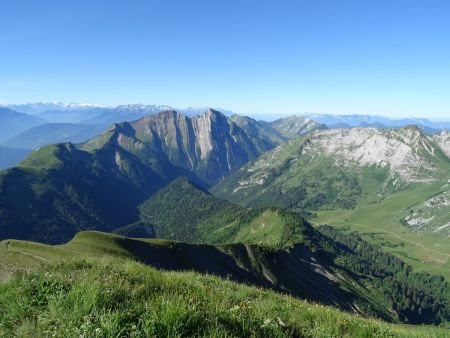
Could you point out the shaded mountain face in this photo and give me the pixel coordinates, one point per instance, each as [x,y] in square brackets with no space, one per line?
[260,132]
[334,168]
[59,190]
[209,145]
[12,123]
[51,133]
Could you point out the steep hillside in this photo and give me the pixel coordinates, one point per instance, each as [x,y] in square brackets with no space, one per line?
[12,123]
[59,190]
[202,218]
[123,298]
[271,248]
[183,211]
[333,274]
[51,133]
[261,132]
[432,215]
[177,209]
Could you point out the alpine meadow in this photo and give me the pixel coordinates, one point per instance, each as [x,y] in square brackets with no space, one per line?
[295,184]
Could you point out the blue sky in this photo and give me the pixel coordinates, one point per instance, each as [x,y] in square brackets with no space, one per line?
[367,57]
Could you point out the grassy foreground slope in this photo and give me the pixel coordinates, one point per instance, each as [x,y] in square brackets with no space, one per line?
[111,295]
[345,272]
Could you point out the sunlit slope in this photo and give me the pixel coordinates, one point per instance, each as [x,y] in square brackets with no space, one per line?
[184,211]
[124,298]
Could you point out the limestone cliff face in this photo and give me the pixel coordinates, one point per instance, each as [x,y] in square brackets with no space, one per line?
[443,139]
[407,151]
[210,145]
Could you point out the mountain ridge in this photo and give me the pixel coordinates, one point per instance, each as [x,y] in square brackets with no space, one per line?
[397,156]
[12,123]
[210,145]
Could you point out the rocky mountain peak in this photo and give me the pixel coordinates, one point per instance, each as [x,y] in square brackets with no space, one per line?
[210,144]
[403,150]
[212,113]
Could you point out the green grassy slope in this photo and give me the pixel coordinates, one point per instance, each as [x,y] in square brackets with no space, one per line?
[111,298]
[381,223]
[118,293]
[186,212]
[302,262]
[284,178]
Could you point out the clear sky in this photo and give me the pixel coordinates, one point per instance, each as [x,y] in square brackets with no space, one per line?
[365,56]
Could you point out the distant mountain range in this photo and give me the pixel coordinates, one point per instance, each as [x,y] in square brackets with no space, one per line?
[50,133]
[12,123]
[59,112]
[10,157]
[94,114]
[350,121]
